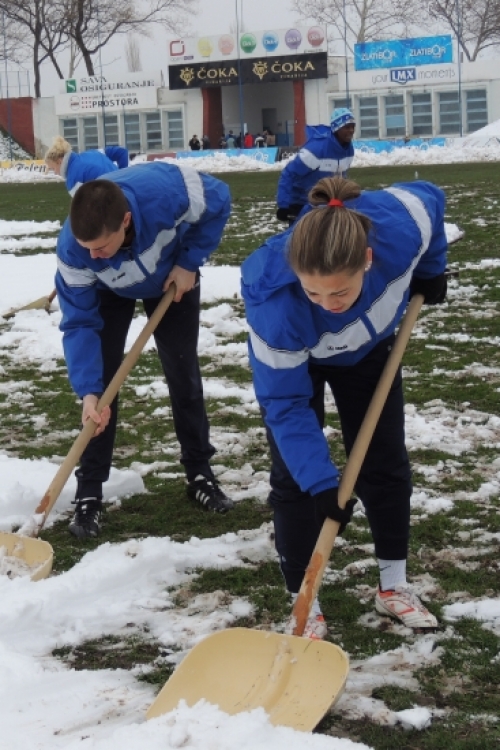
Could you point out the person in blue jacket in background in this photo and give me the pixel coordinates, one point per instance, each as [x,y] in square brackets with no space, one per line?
[129,236]
[89,165]
[328,151]
[322,302]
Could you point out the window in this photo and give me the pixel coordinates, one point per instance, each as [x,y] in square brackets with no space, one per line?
[345,102]
[111,130]
[132,127]
[175,129]
[421,114]
[395,116]
[90,133]
[476,106]
[70,133]
[368,117]
[154,138]
[449,113]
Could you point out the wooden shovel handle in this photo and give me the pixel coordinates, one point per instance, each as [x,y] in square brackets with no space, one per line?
[63,473]
[328,534]
[52,296]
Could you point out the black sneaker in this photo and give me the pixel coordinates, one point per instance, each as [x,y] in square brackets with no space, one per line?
[208,492]
[85,522]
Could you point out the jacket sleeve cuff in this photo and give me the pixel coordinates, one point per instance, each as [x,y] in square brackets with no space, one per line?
[326,484]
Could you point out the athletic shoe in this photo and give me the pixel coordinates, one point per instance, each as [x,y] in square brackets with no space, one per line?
[315,628]
[404,606]
[207,491]
[85,522]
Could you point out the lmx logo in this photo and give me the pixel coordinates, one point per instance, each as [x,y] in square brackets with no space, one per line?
[403,75]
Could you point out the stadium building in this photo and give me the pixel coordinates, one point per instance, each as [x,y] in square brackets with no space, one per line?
[280,80]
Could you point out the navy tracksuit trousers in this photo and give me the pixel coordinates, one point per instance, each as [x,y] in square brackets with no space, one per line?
[177,341]
[384,482]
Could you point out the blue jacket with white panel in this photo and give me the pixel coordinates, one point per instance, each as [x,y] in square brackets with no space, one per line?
[287,330]
[321,156]
[89,165]
[178,217]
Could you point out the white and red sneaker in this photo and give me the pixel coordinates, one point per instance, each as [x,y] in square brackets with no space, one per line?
[404,606]
[315,628]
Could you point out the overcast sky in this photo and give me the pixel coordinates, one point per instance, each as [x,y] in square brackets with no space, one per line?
[257,15]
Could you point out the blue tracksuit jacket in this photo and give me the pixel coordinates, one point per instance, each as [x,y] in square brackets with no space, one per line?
[178,216]
[321,156]
[117,154]
[79,168]
[287,330]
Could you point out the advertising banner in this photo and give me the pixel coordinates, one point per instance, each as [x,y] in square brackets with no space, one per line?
[377,147]
[84,103]
[25,165]
[270,70]
[123,83]
[94,93]
[266,155]
[299,41]
[404,77]
[400,53]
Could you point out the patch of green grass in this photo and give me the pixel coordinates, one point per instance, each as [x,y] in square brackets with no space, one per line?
[37,201]
[459,732]
[396,698]
[261,584]
[165,510]
[113,652]
[469,672]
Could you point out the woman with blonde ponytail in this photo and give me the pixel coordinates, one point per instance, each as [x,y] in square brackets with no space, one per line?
[323,301]
[79,168]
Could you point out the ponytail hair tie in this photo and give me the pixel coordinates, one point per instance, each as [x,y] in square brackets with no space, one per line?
[335,202]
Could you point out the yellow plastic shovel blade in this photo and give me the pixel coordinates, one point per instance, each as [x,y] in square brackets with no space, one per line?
[35,553]
[295,680]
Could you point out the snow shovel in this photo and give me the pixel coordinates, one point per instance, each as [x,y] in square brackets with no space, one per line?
[295,680]
[42,303]
[36,553]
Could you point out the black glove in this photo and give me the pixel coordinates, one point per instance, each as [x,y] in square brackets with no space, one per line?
[282,214]
[295,209]
[433,289]
[327,506]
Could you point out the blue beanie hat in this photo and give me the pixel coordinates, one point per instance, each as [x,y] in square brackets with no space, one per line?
[341,117]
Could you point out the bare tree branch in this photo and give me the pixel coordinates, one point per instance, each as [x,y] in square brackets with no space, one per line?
[475,23]
[133,54]
[93,23]
[47,35]
[357,20]
[44,29]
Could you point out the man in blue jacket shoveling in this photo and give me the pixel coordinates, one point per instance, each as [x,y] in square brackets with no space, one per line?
[328,152]
[130,235]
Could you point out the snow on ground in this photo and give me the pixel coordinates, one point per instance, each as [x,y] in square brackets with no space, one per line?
[45,705]
[474,148]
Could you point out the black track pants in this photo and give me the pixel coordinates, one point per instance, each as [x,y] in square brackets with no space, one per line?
[384,482]
[176,340]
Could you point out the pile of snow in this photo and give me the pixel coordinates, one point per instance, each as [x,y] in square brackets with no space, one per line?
[482,146]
